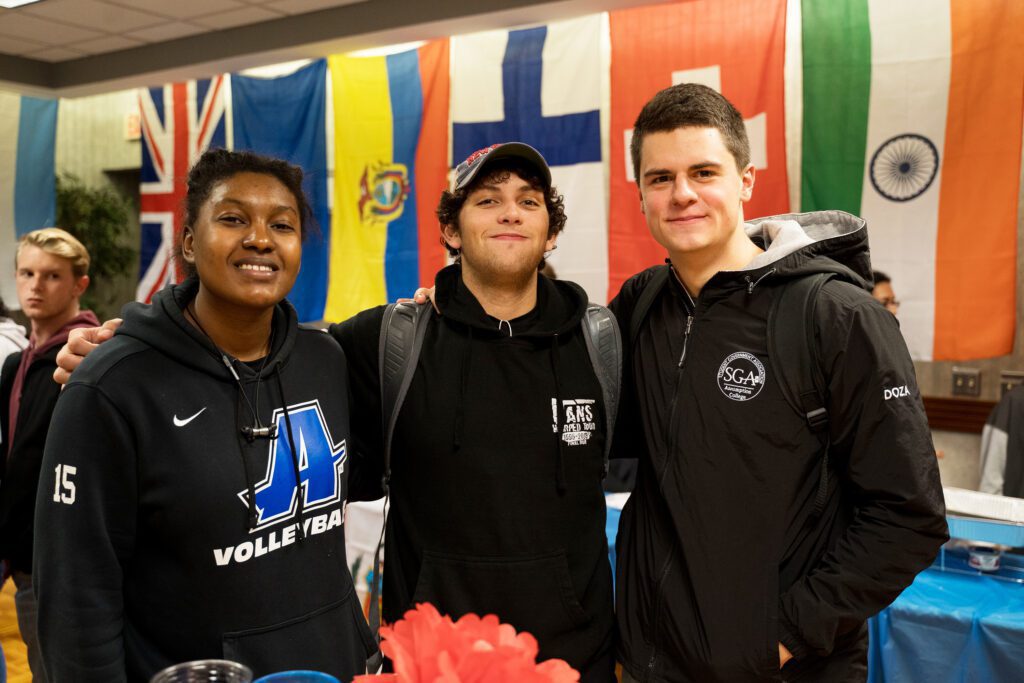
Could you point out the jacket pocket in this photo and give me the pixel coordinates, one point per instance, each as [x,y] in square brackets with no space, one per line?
[333,638]
[532,593]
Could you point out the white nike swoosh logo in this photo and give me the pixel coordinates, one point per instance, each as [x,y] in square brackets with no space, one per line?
[181,423]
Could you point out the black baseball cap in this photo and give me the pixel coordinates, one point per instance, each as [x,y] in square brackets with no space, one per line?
[468,169]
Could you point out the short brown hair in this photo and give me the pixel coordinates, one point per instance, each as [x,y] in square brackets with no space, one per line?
[58,243]
[691,104]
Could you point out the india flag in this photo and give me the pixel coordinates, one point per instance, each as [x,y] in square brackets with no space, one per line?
[390,166]
[28,196]
[911,118]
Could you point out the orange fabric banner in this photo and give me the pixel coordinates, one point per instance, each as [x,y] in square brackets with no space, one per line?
[976,248]
[432,161]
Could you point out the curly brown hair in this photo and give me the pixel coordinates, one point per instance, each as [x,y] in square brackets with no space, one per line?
[498,172]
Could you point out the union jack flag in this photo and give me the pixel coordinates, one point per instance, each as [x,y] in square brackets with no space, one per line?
[180,121]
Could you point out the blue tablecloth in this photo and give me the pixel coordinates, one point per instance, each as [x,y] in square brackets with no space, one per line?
[950,627]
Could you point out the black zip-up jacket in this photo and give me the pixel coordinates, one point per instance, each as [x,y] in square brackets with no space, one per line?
[497,458]
[151,548]
[720,557]
[21,458]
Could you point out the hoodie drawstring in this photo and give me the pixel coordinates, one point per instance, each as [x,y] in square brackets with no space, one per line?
[751,283]
[560,465]
[249,479]
[467,355]
[300,533]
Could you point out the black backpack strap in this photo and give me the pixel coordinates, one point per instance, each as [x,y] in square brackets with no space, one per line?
[793,351]
[401,339]
[400,342]
[604,345]
[647,296]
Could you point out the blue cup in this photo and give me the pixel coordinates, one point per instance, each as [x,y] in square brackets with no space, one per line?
[298,677]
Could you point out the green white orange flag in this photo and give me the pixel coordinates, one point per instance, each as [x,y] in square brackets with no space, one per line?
[911,118]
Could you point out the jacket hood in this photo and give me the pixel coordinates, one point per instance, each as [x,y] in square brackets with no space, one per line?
[560,307]
[13,331]
[163,326]
[799,244]
[60,337]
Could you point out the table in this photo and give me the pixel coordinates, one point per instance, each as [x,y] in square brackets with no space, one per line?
[948,626]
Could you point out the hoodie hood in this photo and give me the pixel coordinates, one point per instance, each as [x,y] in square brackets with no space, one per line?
[164,327]
[799,244]
[560,307]
[13,332]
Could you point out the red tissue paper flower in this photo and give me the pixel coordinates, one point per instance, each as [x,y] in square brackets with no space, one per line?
[426,647]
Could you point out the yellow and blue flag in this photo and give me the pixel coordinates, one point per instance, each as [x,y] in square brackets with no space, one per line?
[390,165]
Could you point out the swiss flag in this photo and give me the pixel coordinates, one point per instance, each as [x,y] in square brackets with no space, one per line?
[734,46]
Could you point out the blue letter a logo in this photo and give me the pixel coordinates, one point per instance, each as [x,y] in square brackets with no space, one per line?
[321,464]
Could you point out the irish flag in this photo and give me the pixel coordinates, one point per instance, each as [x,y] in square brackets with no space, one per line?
[911,118]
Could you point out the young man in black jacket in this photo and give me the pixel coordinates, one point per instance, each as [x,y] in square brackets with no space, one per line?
[728,569]
[51,273]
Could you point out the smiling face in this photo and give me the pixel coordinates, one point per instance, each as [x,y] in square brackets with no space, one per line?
[503,229]
[246,241]
[691,191]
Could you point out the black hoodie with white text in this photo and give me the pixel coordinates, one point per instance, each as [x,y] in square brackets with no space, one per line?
[497,459]
[164,535]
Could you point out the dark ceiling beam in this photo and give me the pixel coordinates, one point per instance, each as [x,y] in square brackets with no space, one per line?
[31,72]
[315,34]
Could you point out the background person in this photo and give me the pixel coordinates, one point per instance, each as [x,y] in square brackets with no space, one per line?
[883,292]
[12,335]
[51,274]
[175,528]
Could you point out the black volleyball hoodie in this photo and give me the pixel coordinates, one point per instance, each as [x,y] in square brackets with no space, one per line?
[165,535]
[497,458]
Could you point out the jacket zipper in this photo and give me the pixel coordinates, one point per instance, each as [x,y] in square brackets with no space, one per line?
[659,594]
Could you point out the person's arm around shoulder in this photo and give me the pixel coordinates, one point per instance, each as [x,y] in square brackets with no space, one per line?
[81,342]
[881,449]
[359,338]
[85,533]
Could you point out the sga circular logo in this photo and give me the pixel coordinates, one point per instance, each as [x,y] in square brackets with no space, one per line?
[741,376]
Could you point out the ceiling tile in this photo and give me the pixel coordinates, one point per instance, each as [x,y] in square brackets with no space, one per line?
[168,31]
[16,46]
[93,14]
[182,9]
[44,30]
[105,44]
[303,6]
[54,54]
[237,17]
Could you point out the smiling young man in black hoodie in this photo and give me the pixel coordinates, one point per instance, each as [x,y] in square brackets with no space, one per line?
[498,451]
[736,554]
